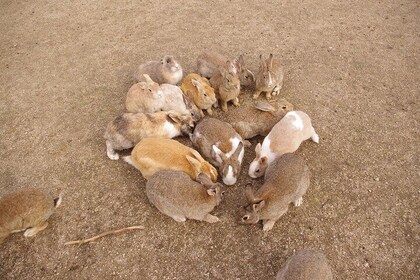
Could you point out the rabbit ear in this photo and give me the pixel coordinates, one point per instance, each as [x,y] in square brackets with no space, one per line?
[263,160]
[220,156]
[205,180]
[241,60]
[238,64]
[264,106]
[249,193]
[270,61]
[230,66]
[196,83]
[174,117]
[238,150]
[258,206]
[258,150]
[195,164]
[187,101]
[148,79]
[197,155]
[212,192]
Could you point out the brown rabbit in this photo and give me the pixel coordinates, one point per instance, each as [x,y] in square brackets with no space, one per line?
[285,181]
[127,130]
[209,62]
[151,155]
[269,78]
[27,210]
[145,97]
[221,145]
[165,71]
[306,265]
[253,119]
[175,194]
[199,90]
[227,86]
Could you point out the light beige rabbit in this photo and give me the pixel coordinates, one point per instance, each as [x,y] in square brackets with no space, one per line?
[269,78]
[127,130]
[176,100]
[285,137]
[26,210]
[306,264]
[199,90]
[175,194]
[145,97]
[285,181]
[151,155]
[221,145]
[253,119]
[165,71]
[209,62]
[226,85]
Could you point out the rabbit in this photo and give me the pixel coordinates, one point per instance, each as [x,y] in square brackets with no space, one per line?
[269,78]
[285,137]
[151,155]
[209,62]
[175,194]
[127,130]
[145,97]
[221,145]
[199,90]
[26,210]
[253,119]
[166,71]
[306,264]
[226,85]
[285,181]
[176,100]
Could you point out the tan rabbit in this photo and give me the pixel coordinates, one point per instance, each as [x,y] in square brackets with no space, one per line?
[26,210]
[306,264]
[269,78]
[166,71]
[176,100]
[285,181]
[175,194]
[127,130]
[227,87]
[151,155]
[199,90]
[221,145]
[253,119]
[285,137]
[145,97]
[209,62]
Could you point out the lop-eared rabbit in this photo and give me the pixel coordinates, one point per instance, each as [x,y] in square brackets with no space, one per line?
[226,85]
[200,91]
[269,78]
[145,97]
[127,130]
[209,62]
[306,264]
[221,145]
[176,100]
[165,71]
[285,137]
[25,210]
[285,181]
[175,194]
[151,155]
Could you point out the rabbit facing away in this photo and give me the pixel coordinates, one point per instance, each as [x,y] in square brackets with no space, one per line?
[253,119]
[176,100]
[285,137]
[176,195]
[209,62]
[127,130]
[165,71]
[269,78]
[226,85]
[151,155]
[144,97]
[26,210]
[285,181]
[306,264]
[221,145]
[199,90]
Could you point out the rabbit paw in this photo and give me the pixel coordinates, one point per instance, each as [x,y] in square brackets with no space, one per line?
[276,90]
[34,230]
[268,225]
[298,202]
[179,219]
[211,219]
[113,156]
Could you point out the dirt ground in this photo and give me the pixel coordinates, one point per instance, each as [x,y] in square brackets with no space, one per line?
[353,66]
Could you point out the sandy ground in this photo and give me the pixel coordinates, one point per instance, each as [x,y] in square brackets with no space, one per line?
[353,66]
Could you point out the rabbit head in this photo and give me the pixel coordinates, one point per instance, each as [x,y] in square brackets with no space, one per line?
[186,122]
[250,214]
[196,113]
[229,167]
[246,77]
[259,164]
[170,63]
[215,189]
[201,166]
[206,94]
[265,77]
[230,78]
[152,88]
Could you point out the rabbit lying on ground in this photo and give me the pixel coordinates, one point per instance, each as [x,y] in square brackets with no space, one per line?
[165,71]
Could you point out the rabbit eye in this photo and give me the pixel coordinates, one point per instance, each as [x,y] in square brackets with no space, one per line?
[150,90]
[205,94]
[257,170]
[228,80]
[223,193]
[245,218]
[246,77]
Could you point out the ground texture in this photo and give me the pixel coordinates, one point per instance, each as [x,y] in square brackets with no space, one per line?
[353,66]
